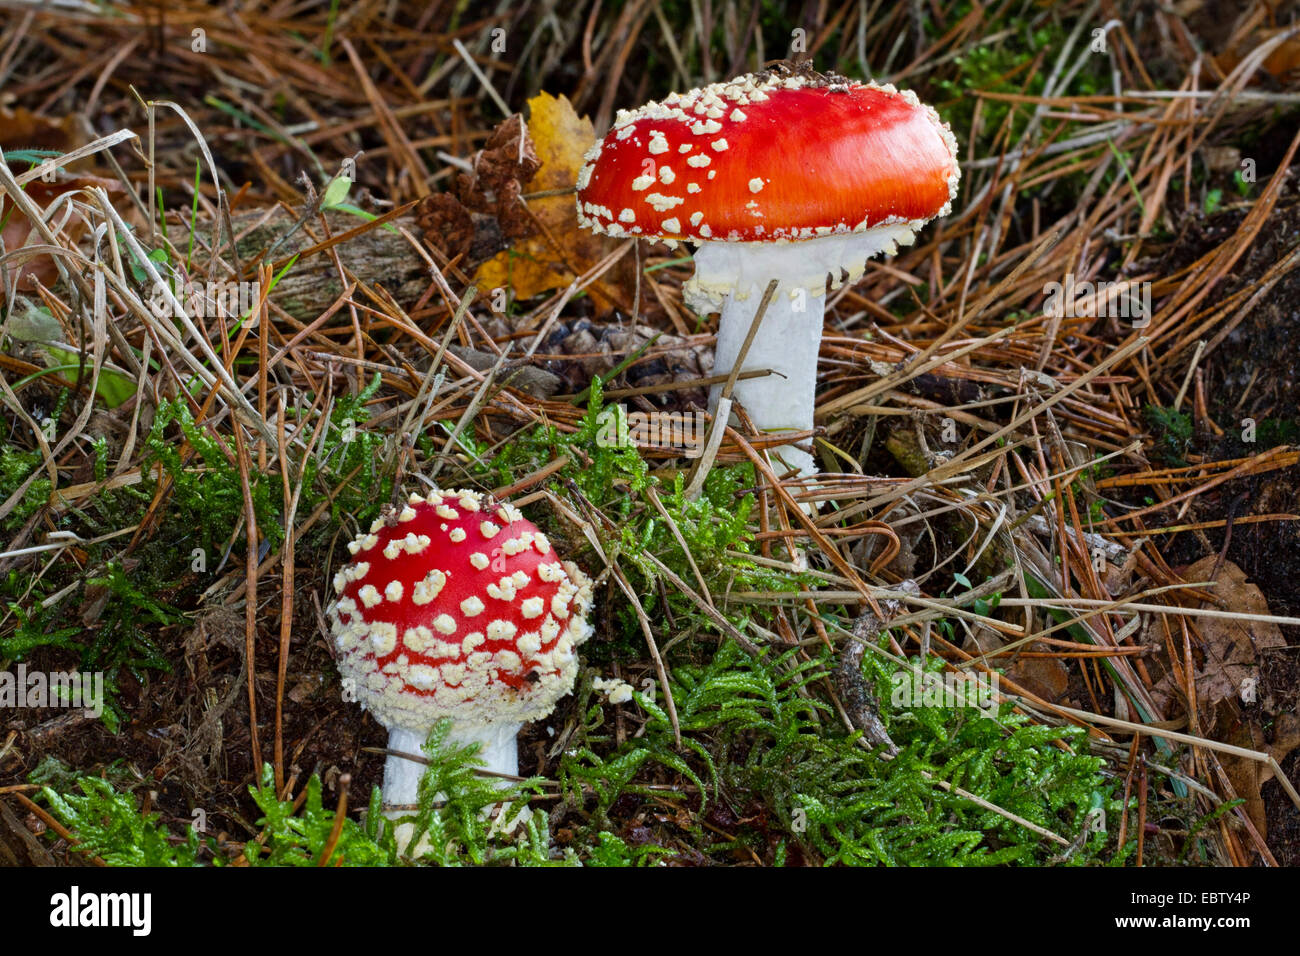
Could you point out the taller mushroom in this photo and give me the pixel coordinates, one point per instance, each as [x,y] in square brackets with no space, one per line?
[792,176]
[455,606]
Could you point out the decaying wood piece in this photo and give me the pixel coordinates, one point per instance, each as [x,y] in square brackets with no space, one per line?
[860,703]
[377,257]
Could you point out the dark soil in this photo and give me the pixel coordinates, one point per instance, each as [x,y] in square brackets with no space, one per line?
[1260,359]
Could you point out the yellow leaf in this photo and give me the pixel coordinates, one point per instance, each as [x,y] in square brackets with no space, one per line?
[548,259]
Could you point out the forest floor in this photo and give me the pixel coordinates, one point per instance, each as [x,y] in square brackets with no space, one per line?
[1059,437]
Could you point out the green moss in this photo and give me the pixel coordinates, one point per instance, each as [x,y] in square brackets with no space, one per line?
[754,731]
[1171,433]
[16,466]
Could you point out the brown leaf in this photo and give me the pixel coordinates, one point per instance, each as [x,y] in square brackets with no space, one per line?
[1247,775]
[1286,738]
[1231,648]
[1244,774]
[1283,63]
[1048,677]
[23,129]
[18,229]
[1226,670]
[561,249]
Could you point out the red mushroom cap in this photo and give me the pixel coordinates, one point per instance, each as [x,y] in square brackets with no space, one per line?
[453,607]
[770,157]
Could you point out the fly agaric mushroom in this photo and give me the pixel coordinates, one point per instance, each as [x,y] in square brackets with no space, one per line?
[792,176]
[456,607]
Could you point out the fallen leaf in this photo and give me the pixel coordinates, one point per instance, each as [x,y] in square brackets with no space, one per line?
[1282,64]
[1286,738]
[17,229]
[1230,699]
[26,139]
[1047,677]
[1228,669]
[23,129]
[562,249]
[115,387]
[1244,774]
[1248,775]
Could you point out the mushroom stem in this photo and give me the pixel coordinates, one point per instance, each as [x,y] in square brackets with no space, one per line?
[730,276]
[787,342]
[497,753]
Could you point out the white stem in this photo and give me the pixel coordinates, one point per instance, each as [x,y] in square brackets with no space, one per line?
[787,342]
[730,277]
[498,753]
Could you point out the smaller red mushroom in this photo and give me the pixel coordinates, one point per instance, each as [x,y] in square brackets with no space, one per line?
[456,606]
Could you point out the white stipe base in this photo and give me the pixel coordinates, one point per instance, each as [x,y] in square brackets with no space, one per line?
[498,753]
[731,277]
[787,343]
